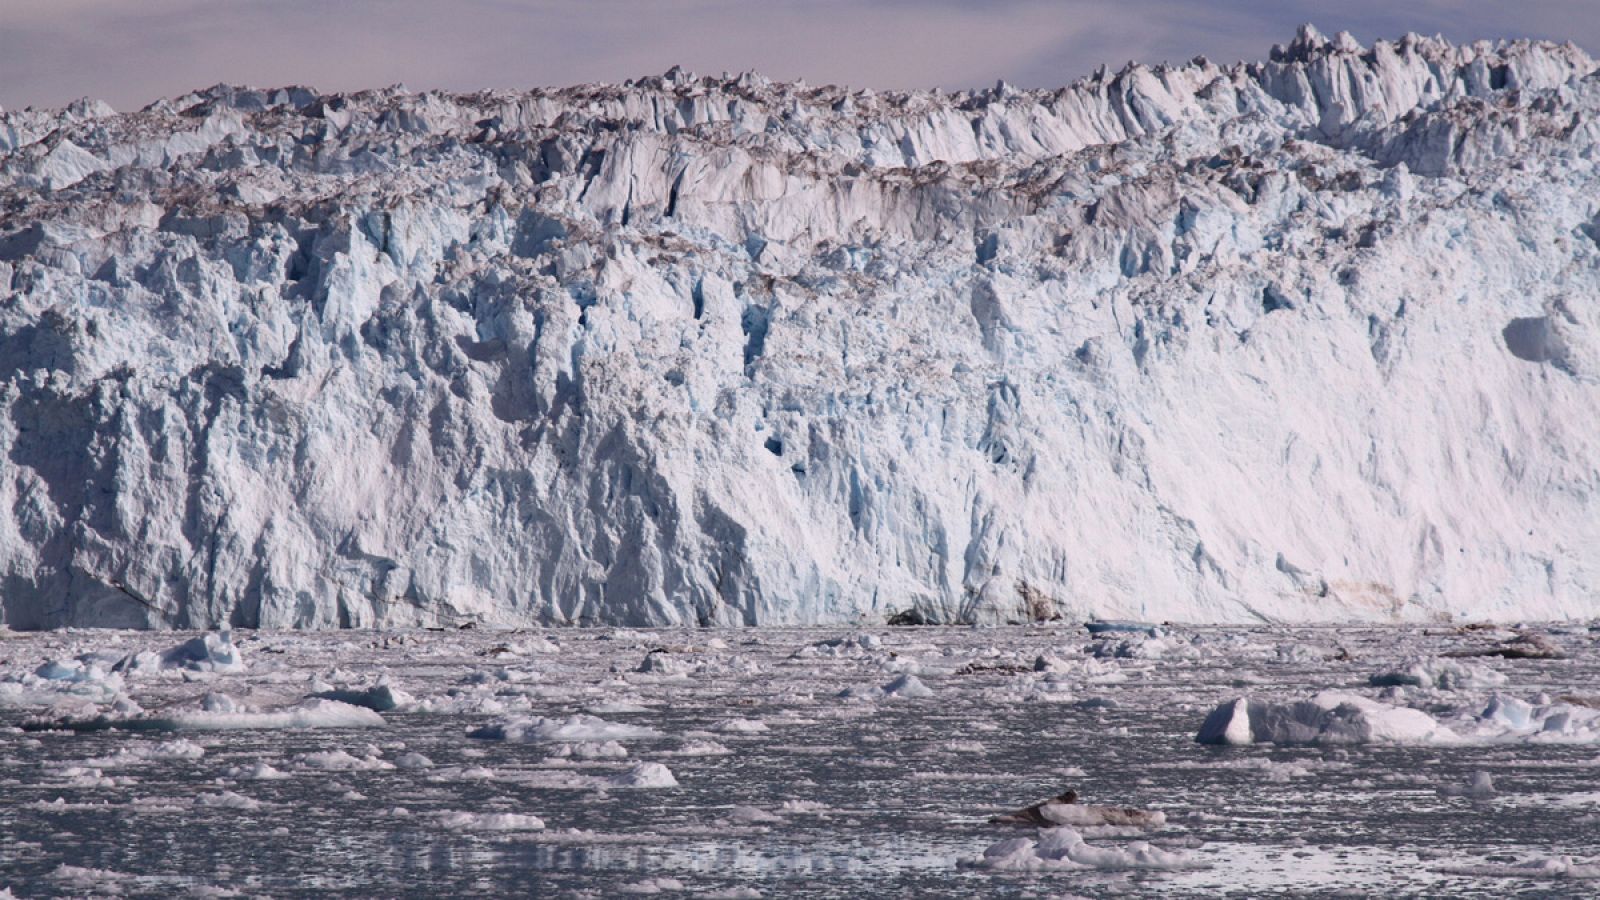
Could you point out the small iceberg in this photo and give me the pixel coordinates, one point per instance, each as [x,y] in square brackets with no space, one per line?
[1063,848]
[1108,627]
[578,727]
[1331,717]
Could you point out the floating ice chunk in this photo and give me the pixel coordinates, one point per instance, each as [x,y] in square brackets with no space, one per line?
[907,685]
[574,728]
[590,750]
[861,692]
[698,747]
[212,652]
[1139,648]
[752,815]
[658,662]
[310,714]
[413,760]
[1509,720]
[616,707]
[1330,717]
[227,800]
[381,697]
[341,761]
[855,645]
[513,676]
[71,670]
[87,777]
[1304,654]
[223,713]
[259,772]
[803,806]
[471,821]
[1063,848]
[1508,712]
[1560,867]
[1228,724]
[1442,674]
[136,754]
[742,726]
[219,712]
[646,775]
[1479,786]
[651,886]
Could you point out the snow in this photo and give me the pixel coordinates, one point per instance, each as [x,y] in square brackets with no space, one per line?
[737,352]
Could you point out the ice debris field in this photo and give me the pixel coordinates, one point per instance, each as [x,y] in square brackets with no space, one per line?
[1306,339]
[932,761]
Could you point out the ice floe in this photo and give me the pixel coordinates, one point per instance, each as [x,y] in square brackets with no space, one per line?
[1337,717]
[1063,848]
[481,821]
[646,775]
[1441,674]
[1330,717]
[578,727]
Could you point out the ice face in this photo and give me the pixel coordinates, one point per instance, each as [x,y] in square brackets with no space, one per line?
[1306,339]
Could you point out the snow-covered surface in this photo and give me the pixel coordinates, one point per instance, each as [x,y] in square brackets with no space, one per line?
[1313,338]
[748,771]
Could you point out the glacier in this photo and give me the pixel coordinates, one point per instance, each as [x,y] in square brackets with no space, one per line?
[1309,339]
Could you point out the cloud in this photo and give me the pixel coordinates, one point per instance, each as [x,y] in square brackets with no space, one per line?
[53,51]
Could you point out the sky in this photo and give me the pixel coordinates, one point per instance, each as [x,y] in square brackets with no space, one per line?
[131,52]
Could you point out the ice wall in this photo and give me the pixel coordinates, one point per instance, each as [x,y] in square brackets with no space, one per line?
[1314,338]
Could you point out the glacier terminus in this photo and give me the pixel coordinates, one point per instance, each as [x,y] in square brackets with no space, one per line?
[1309,339]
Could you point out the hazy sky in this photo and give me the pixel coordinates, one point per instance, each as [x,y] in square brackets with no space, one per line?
[130,52]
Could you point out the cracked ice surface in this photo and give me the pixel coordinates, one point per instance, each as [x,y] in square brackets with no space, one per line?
[1307,339]
[774,762]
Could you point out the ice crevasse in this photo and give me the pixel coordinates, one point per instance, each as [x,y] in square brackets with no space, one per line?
[1303,339]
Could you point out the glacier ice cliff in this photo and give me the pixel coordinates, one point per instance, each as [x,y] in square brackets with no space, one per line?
[1315,338]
